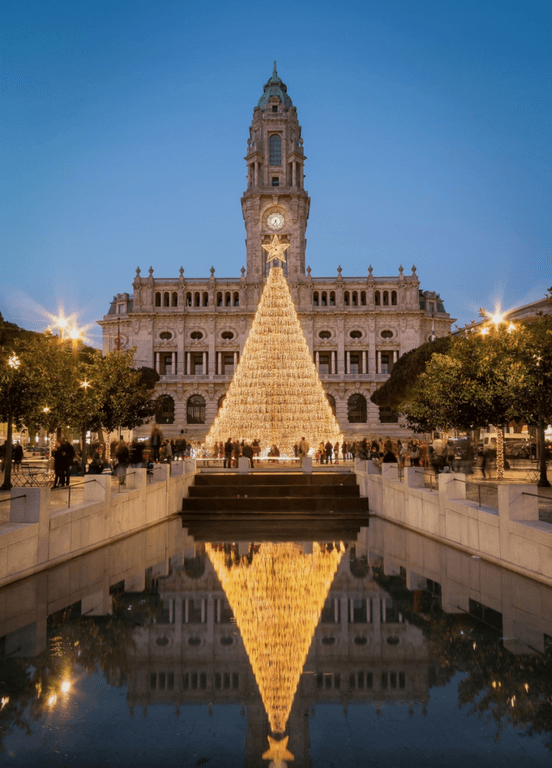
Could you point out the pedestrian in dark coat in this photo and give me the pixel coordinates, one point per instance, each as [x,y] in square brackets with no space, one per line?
[328,448]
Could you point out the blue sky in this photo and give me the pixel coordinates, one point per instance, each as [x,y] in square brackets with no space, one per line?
[427,129]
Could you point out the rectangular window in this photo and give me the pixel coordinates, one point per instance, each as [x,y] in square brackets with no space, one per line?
[356,365]
[275,181]
[197,364]
[324,363]
[228,364]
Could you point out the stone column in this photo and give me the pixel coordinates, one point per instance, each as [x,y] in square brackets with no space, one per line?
[378,361]
[317,360]
[348,362]
[156,361]
[205,363]
[188,363]
[364,366]
[235,360]
[219,363]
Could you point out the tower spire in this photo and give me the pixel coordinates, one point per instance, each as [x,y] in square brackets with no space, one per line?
[274,72]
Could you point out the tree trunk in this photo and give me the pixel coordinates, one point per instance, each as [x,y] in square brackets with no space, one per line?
[543,479]
[499,453]
[6,485]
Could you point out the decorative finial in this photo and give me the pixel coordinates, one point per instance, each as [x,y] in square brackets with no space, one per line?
[413,269]
[181,272]
[137,271]
[151,271]
[242,271]
[370,270]
[309,271]
[339,270]
[212,271]
[274,73]
[401,269]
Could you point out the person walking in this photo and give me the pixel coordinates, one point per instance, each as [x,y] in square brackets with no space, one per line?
[68,454]
[58,465]
[336,453]
[156,440]
[122,456]
[328,449]
[228,448]
[303,448]
[17,457]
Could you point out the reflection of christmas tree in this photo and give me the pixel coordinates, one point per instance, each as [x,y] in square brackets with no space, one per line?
[276,394]
[277,599]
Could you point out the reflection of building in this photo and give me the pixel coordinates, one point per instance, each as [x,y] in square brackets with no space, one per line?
[362,651]
[193,330]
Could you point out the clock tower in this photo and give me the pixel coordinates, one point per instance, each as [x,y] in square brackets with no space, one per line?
[275,202]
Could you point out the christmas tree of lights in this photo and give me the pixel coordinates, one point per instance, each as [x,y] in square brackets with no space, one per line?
[277,597]
[276,395]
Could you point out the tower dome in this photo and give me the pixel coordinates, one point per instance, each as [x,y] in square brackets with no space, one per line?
[275,87]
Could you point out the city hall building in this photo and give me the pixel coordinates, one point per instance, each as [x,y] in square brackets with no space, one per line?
[192,331]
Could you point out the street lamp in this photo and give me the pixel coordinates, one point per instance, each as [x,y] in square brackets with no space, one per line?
[13,367]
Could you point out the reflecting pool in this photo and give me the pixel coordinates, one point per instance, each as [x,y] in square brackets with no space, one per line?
[382,648]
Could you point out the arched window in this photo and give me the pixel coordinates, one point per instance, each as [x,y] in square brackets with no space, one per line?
[188,299]
[356,409]
[346,298]
[315,299]
[236,299]
[197,299]
[324,299]
[195,411]
[166,302]
[228,299]
[355,298]
[164,410]
[157,299]
[205,299]
[331,401]
[174,299]
[386,298]
[332,298]
[219,299]
[363,298]
[377,299]
[394,298]
[275,143]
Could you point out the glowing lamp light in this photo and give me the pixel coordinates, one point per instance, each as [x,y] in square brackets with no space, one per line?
[14,362]
[497,318]
[66,686]
[85,385]
[52,698]
[75,334]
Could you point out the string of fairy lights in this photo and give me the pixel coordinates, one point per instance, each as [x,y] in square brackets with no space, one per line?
[277,600]
[276,395]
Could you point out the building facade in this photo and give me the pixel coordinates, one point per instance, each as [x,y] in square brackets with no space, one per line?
[192,331]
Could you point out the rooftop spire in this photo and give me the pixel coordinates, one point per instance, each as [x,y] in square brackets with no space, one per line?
[275,87]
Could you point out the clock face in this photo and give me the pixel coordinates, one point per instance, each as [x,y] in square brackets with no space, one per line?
[275,221]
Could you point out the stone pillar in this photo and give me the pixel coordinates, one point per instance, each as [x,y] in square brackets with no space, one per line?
[378,361]
[364,360]
[347,362]
[334,356]
[317,360]
[188,363]
[235,360]
[307,465]
[156,361]
[205,363]
[294,174]
[219,363]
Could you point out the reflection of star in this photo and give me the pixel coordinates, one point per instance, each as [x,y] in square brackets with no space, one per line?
[275,249]
[278,751]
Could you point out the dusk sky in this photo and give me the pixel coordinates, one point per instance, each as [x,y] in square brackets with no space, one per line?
[426,128]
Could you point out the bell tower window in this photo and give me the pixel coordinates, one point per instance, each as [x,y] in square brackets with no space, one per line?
[275,145]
